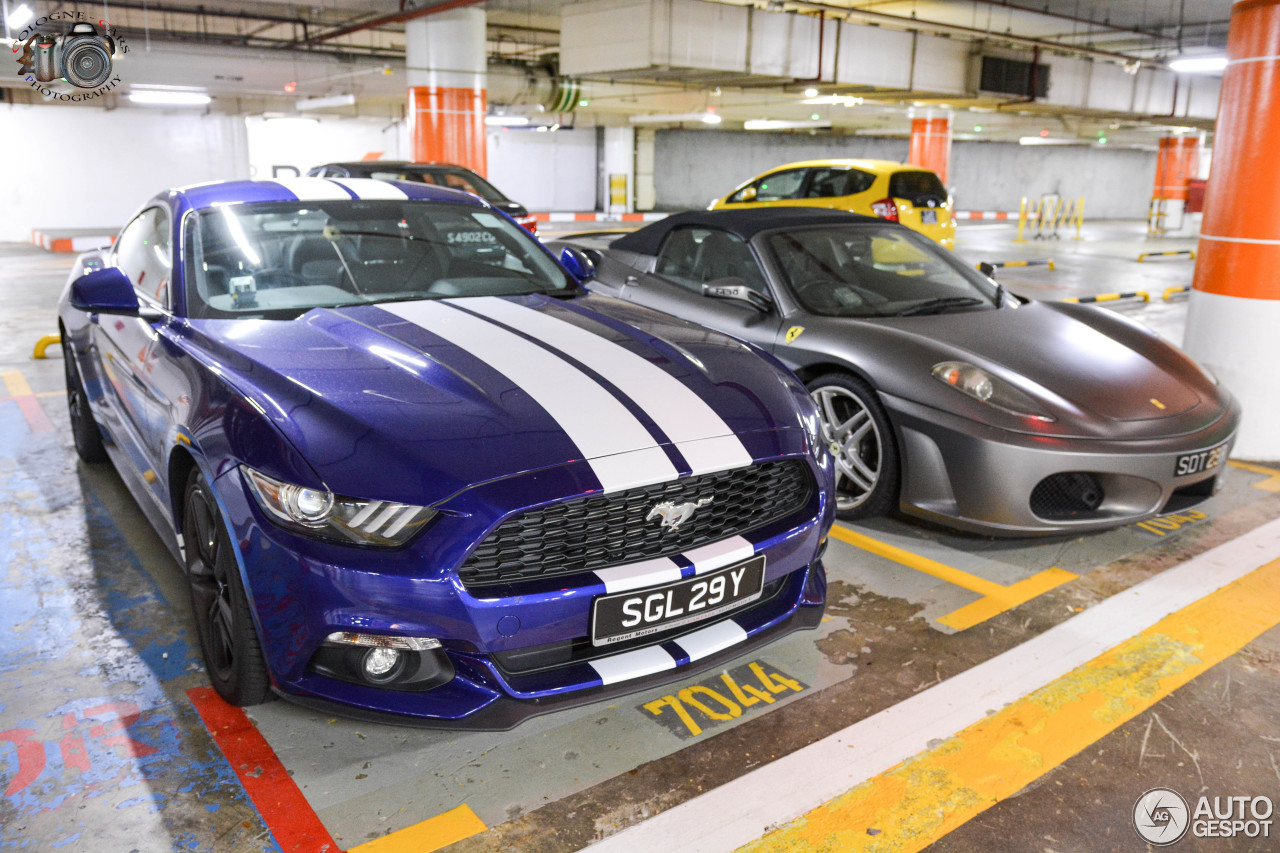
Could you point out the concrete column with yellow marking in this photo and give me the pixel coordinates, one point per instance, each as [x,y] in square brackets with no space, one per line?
[1234,305]
[445,69]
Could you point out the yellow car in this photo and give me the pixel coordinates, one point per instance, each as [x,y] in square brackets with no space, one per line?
[894,191]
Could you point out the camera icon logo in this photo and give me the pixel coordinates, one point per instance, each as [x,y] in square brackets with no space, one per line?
[81,56]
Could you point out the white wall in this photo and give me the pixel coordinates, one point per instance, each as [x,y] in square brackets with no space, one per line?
[85,167]
[305,143]
[545,171]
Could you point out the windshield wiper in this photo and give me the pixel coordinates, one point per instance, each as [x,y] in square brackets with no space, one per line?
[939,304]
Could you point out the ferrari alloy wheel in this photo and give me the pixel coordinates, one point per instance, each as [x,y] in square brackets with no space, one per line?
[228,639]
[84,429]
[858,434]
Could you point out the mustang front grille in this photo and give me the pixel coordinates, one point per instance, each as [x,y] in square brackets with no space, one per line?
[613,530]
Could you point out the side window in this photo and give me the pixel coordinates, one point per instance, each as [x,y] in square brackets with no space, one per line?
[772,187]
[458,182]
[859,182]
[827,183]
[145,253]
[693,256]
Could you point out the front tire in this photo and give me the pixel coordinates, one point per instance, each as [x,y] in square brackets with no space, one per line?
[228,639]
[84,429]
[858,434]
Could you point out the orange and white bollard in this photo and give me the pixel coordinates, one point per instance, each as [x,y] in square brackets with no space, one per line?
[1234,306]
[445,65]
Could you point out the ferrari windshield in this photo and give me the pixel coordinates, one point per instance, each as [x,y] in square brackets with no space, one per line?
[869,270]
[279,260]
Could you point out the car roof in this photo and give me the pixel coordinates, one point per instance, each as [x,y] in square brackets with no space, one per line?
[314,189]
[393,164]
[745,223]
[879,166]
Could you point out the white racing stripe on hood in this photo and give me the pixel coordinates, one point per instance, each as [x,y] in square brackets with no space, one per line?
[313,189]
[701,436]
[368,188]
[621,452]
[705,559]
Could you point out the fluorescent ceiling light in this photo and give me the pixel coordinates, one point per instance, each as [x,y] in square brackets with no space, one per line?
[811,92]
[506,121]
[325,103]
[1199,64]
[293,120]
[669,118]
[18,17]
[169,97]
[835,100]
[1048,140]
[778,124]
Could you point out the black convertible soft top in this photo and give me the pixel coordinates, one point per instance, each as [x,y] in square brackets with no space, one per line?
[745,223]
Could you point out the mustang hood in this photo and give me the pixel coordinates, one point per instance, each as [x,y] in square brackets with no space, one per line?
[416,401]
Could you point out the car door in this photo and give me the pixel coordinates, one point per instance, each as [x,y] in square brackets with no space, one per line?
[130,349]
[693,256]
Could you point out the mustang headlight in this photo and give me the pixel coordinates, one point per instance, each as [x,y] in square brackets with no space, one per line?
[989,389]
[320,513]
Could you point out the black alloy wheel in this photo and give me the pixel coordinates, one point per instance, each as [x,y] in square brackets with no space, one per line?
[84,429]
[228,638]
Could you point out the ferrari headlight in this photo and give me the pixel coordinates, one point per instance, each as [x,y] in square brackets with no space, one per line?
[320,513]
[986,388]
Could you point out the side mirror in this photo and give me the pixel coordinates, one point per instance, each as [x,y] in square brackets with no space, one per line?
[577,263]
[749,194]
[989,270]
[735,289]
[104,291]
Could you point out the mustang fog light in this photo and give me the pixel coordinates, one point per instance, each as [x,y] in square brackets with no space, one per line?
[986,388]
[411,664]
[380,664]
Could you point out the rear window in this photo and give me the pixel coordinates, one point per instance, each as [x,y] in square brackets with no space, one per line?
[917,187]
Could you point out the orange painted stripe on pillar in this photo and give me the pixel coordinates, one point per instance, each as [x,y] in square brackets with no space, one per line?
[1247,270]
[930,145]
[446,124]
[284,809]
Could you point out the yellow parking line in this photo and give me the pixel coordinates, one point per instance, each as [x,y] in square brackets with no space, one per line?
[431,834]
[16,383]
[1271,484]
[995,598]
[914,804]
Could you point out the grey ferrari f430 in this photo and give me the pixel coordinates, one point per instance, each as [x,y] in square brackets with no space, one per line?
[941,393]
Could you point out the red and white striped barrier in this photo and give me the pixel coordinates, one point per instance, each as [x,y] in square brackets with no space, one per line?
[986,214]
[80,243]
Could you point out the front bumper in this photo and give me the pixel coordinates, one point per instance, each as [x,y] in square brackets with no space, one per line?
[513,651]
[977,478]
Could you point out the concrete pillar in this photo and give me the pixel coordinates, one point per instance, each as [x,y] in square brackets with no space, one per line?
[619,159]
[1177,162]
[1235,299]
[646,191]
[445,69]
[931,143]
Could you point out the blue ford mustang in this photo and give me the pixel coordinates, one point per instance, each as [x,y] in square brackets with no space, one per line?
[415,472]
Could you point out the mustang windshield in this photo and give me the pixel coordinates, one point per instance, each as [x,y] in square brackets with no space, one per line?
[281,259]
[867,270]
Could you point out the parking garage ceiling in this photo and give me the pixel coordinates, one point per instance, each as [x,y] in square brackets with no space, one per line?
[327,48]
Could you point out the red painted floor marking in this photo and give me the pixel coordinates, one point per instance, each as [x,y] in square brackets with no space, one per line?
[284,809]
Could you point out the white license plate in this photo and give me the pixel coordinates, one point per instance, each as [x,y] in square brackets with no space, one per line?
[1201,460]
[639,613]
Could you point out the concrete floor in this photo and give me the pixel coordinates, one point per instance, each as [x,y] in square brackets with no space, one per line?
[101,747]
